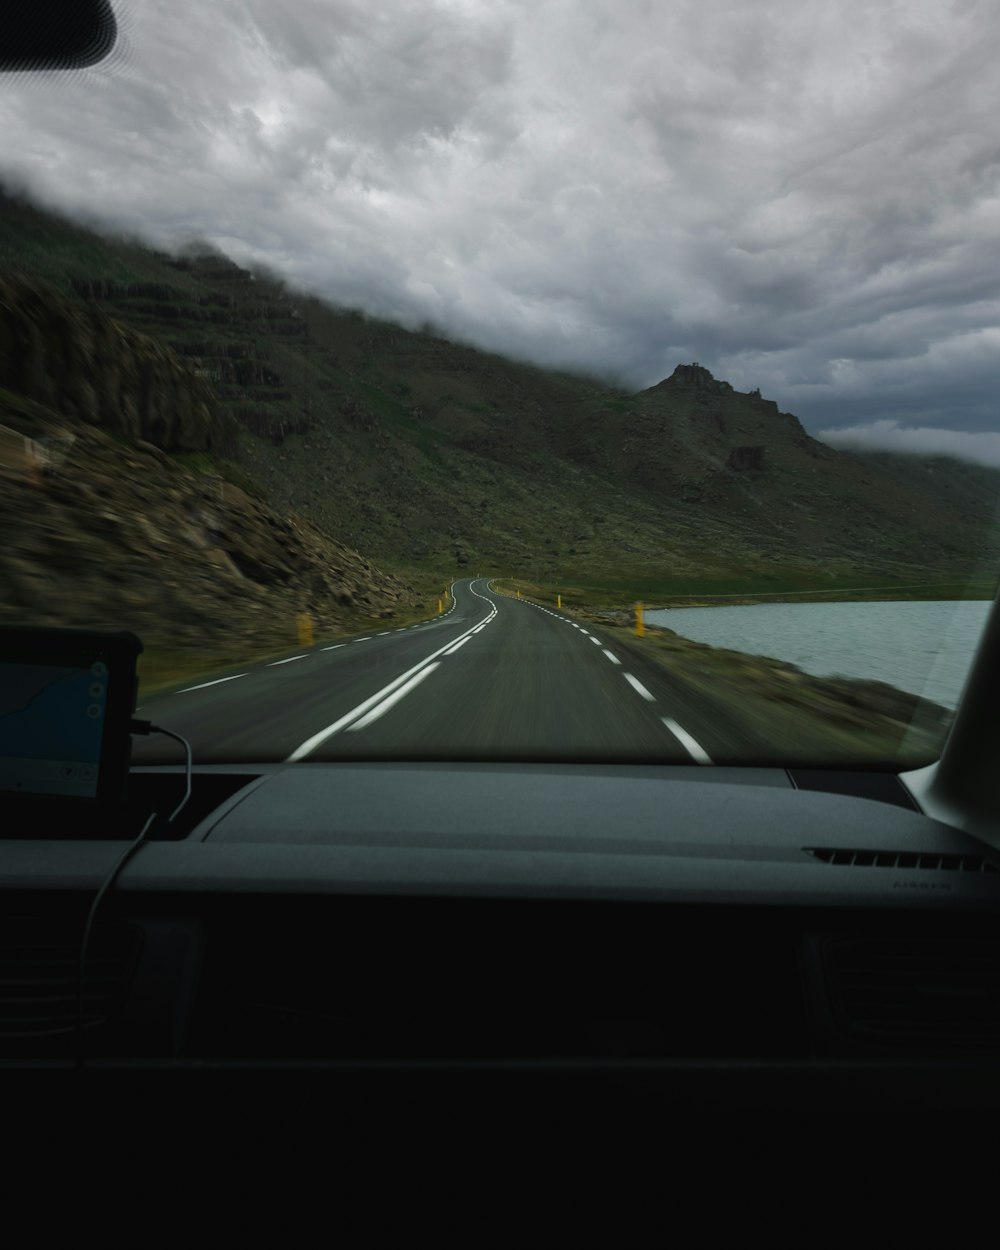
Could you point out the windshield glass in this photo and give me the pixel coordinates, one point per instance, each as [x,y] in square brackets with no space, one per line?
[445,379]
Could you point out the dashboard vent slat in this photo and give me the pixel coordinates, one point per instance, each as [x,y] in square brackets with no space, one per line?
[939,993]
[39,969]
[931,860]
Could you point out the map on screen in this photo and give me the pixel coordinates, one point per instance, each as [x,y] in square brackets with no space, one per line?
[51,728]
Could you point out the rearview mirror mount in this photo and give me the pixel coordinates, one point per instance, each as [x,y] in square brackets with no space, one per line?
[55,34]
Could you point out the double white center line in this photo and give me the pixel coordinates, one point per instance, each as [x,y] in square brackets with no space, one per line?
[383,707]
[380,702]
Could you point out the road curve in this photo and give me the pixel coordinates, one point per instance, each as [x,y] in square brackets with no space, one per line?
[492,678]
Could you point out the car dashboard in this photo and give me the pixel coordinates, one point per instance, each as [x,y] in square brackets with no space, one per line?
[622,932]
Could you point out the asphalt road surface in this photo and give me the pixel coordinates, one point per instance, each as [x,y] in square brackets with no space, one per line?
[494,677]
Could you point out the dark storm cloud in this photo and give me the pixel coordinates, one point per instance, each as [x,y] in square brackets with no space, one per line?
[803,196]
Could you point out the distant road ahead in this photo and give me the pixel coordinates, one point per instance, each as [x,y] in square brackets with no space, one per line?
[492,677]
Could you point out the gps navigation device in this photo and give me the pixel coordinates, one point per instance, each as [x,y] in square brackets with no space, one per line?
[66,703]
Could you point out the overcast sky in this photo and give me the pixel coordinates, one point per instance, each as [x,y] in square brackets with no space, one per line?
[803,195]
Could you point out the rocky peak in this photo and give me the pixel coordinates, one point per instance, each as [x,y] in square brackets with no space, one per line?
[691,375]
[694,376]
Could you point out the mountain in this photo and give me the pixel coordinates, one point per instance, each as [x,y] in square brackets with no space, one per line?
[432,457]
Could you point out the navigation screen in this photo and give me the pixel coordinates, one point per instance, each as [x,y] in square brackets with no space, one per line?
[51,728]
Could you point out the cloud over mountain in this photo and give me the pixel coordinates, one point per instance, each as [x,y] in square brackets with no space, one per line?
[804,197]
[982,447]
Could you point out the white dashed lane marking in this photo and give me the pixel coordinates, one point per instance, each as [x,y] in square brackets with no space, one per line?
[613,658]
[275,663]
[638,687]
[694,748]
[204,684]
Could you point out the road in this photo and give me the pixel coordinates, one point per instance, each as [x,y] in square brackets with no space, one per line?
[493,677]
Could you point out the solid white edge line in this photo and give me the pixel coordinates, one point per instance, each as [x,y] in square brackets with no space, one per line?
[452,650]
[203,684]
[310,744]
[383,707]
[637,686]
[695,749]
[613,658]
[275,663]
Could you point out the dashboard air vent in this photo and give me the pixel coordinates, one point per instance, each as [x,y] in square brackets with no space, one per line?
[39,975]
[901,859]
[934,993]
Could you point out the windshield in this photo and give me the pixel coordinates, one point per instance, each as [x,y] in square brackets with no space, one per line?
[460,380]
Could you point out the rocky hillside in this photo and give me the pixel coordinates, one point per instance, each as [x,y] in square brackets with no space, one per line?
[79,362]
[973,490]
[434,457]
[106,533]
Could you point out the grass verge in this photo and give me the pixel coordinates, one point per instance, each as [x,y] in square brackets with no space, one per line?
[657,593]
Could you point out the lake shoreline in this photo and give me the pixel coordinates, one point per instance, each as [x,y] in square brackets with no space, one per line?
[922,646]
[680,602]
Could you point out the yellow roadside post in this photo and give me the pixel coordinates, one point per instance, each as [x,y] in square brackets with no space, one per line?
[440,606]
[558,601]
[640,628]
[306,638]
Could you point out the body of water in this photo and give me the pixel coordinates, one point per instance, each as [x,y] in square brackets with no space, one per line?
[925,648]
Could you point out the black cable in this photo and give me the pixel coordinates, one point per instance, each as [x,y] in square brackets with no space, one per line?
[158,729]
[130,850]
[147,727]
[138,727]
